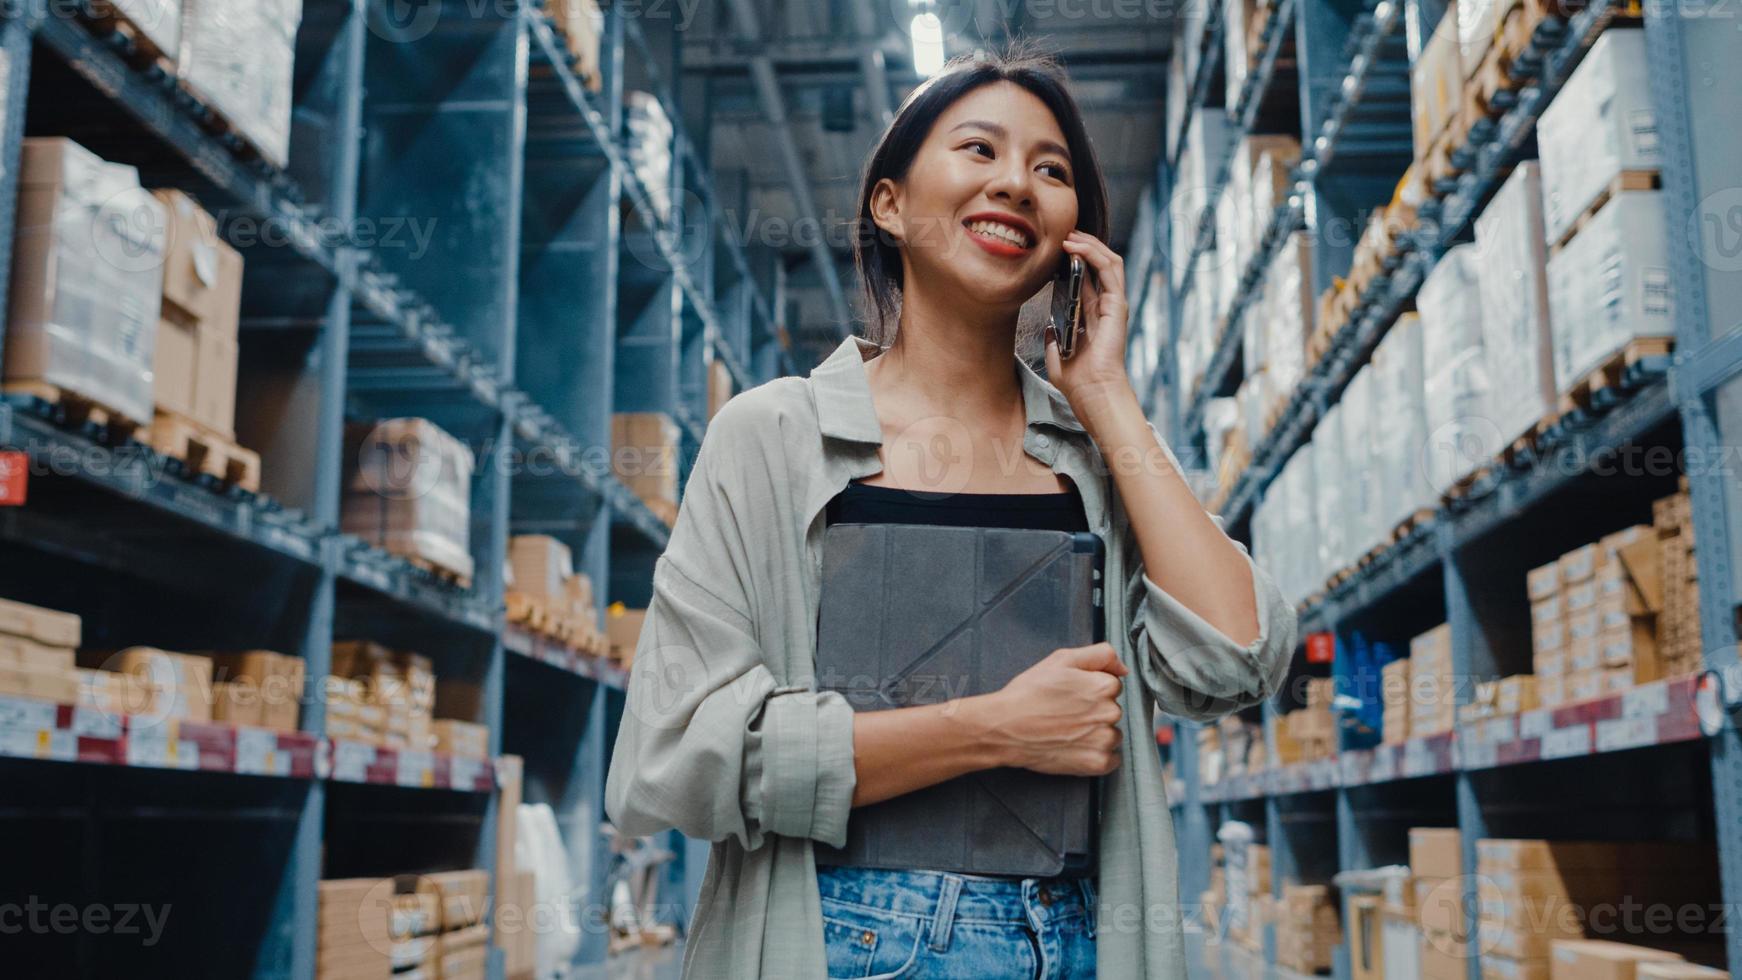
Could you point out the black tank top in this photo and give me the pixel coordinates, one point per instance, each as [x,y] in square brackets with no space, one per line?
[866,503]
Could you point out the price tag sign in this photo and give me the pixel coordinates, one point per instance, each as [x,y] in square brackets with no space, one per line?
[150,747]
[416,769]
[257,752]
[26,713]
[91,723]
[1616,734]
[1564,742]
[1536,724]
[1477,753]
[1384,767]
[351,761]
[1645,701]
[465,773]
[1417,760]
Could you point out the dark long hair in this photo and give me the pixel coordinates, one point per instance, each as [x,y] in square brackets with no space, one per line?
[877,255]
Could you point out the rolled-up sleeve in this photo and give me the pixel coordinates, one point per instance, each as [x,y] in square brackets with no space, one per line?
[710,742]
[1193,669]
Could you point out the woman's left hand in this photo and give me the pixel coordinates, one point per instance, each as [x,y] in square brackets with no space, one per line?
[1100,357]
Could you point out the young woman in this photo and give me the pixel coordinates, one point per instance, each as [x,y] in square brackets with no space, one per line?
[984,182]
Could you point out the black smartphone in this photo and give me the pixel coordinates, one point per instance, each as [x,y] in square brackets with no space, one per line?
[1067,304]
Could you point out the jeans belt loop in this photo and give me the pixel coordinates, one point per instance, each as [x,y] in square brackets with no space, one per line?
[944,916]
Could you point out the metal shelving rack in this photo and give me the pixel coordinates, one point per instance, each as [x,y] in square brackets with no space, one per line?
[550,296]
[1536,774]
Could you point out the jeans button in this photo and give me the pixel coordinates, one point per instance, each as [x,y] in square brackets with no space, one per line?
[867,937]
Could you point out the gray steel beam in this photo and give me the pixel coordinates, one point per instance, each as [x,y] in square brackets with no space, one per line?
[774,107]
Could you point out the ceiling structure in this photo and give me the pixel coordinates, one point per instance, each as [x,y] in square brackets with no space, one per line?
[781,88]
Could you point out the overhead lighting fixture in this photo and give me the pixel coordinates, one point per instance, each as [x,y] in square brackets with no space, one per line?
[928,43]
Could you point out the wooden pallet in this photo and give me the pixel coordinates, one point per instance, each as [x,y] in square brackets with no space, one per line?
[1611,372]
[204,451]
[77,410]
[1626,180]
[1408,526]
[143,51]
[442,572]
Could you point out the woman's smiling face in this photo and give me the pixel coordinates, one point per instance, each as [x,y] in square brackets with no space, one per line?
[989,198]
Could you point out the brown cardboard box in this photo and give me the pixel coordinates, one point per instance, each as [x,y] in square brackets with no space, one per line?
[1595,959]
[236,702]
[1540,583]
[644,453]
[1439,906]
[624,627]
[1498,967]
[580,24]
[1671,970]
[511,773]
[1443,958]
[278,679]
[59,686]
[25,654]
[1435,852]
[46,626]
[461,738]
[183,680]
[462,895]
[195,360]
[541,564]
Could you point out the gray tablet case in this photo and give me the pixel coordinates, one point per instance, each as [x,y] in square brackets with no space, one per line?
[915,614]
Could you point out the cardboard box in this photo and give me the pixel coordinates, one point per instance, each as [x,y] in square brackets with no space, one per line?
[1595,314]
[1600,123]
[277,679]
[79,320]
[462,895]
[623,625]
[1436,84]
[236,702]
[1442,958]
[46,626]
[461,738]
[59,686]
[541,564]
[1671,970]
[1540,583]
[183,681]
[1516,339]
[238,59]
[719,387]
[23,654]
[1435,852]
[195,359]
[1594,959]
[644,453]
[408,490]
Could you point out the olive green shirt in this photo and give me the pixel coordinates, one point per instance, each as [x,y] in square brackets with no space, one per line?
[726,738]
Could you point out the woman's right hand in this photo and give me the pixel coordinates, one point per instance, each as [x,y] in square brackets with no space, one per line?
[1061,716]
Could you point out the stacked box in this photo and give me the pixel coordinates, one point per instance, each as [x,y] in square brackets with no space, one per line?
[1610,284]
[1513,276]
[462,738]
[1310,733]
[515,923]
[1307,928]
[37,658]
[541,565]
[1437,883]
[1534,894]
[1592,631]
[1231,250]
[1399,425]
[272,681]
[408,490]
[395,695]
[238,58]
[1678,636]
[649,146]
[1394,691]
[1456,389]
[1361,466]
[178,685]
[352,936]
[194,364]
[1596,959]
[1259,176]
[114,693]
[1432,692]
[1600,123]
[1287,307]
[581,24]
[87,278]
[1238,53]
[623,627]
[1328,479]
[644,454]
[1436,84]
[1206,139]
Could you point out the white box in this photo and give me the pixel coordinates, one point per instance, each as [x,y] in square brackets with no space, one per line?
[1610,284]
[158,20]
[1601,123]
[1461,434]
[1330,475]
[1361,497]
[239,59]
[1513,278]
[1400,423]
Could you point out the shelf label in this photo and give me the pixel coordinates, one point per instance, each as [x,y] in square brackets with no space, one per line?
[1536,724]
[1478,754]
[415,769]
[1647,701]
[1564,742]
[1384,768]
[257,752]
[464,773]
[1417,760]
[26,713]
[351,761]
[91,723]
[1616,734]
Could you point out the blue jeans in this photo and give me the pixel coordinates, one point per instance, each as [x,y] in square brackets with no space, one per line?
[886,924]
